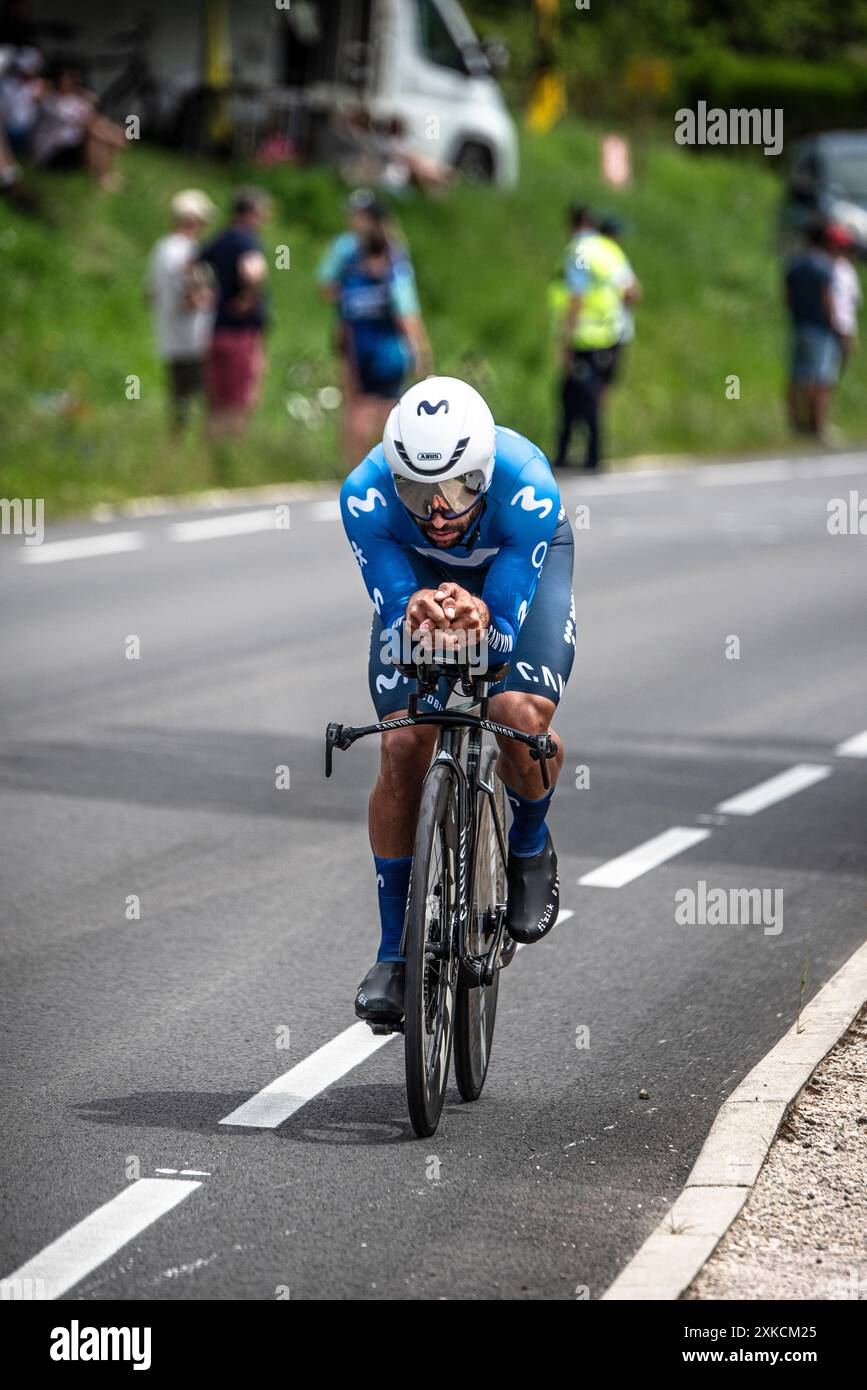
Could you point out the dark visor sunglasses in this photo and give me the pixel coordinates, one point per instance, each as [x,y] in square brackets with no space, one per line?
[419,497]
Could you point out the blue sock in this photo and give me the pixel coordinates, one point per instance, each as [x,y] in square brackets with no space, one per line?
[528,833]
[392,878]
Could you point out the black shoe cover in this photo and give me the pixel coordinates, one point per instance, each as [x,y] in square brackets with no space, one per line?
[534,894]
[380,994]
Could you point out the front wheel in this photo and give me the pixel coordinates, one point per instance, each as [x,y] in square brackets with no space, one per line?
[431,966]
[477,1008]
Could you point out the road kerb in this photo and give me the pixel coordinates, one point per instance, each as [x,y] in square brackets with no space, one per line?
[741,1136]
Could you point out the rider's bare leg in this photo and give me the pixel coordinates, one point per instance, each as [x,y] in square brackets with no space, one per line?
[405,756]
[532,714]
[533,901]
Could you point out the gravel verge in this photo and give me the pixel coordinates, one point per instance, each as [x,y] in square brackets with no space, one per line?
[803,1231]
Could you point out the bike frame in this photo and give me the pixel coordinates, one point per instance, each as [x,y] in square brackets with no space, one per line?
[470,788]
[454,723]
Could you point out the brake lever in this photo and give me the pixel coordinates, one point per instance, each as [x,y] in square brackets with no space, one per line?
[541,750]
[333,734]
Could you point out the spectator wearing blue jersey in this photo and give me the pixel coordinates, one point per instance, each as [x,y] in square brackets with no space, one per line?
[367,274]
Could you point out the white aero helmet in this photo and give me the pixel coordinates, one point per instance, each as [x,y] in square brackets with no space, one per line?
[440,441]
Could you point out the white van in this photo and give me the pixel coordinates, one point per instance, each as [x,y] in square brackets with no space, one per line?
[435,77]
[415,64]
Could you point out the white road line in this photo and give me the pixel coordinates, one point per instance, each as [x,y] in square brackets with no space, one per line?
[794,779]
[723,475]
[67,1260]
[283,1097]
[615,484]
[326,511]
[743,472]
[85,547]
[211,527]
[276,1102]
[644,857]
[854,747]
[844,466]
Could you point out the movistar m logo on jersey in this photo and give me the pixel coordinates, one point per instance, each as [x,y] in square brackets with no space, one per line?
[431,409]
[531,503]
[355,505]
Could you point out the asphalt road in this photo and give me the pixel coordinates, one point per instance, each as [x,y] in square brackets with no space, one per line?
[127,1040]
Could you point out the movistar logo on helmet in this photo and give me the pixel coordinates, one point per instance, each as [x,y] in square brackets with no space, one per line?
[441,429]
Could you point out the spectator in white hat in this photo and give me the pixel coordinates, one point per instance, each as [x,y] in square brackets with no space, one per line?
[182,302]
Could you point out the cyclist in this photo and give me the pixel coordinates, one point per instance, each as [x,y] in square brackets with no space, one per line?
[457,527]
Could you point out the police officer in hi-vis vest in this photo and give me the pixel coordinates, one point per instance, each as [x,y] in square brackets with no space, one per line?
[589,306]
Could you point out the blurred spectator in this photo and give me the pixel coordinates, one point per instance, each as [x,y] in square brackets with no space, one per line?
[405,165]
[377,151]
[614,229]
[816,352]
[181,303]
[591,327]
[10,172]
[71,134]
[368,275]
[236,362]
[276,148]
[21,88]
[846,294]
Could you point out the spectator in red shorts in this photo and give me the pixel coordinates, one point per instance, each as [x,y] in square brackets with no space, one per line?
[237,357]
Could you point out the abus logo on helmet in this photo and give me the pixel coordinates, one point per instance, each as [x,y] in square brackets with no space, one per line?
[428,458]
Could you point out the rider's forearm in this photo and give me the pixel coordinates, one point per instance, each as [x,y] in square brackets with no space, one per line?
[500,634]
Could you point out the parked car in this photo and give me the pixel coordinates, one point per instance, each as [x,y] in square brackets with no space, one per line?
[827,182]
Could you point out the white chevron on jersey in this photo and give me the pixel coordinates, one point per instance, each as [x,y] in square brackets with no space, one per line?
[478,557]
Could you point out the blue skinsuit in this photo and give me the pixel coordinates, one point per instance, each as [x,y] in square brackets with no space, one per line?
[519,560]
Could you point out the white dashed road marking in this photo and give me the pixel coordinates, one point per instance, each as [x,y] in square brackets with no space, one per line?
[326,511]
[210,527]
[644,857]
[283,1097]
[67,1260]
[85,548]
[794,779]
[854,747]
[271,1106]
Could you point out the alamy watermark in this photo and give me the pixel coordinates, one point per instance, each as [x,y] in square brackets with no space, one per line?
[435,646]
[23,517]
[847,516]
[730,907]
[740,126]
